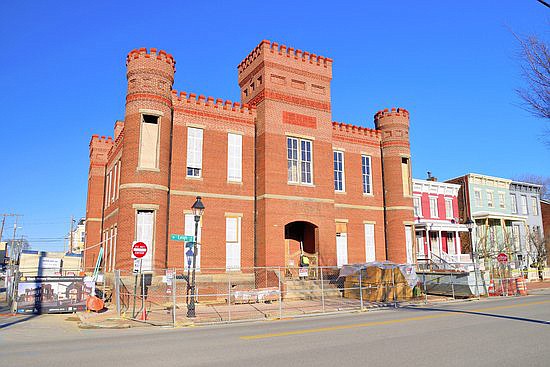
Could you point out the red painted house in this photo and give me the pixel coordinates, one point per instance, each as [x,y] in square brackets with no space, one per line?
[436,221]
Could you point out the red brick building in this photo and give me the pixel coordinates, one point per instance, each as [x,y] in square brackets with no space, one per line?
[273,171]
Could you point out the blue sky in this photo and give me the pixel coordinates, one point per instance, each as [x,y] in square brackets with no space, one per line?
[453,65]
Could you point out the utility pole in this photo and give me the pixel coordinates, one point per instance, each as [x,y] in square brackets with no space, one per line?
[71,235]
[4,221]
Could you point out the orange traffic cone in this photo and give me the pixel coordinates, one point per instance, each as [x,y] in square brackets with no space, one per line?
[521,286]
[491,289]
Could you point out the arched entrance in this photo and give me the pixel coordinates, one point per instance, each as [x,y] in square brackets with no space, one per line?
[301,236]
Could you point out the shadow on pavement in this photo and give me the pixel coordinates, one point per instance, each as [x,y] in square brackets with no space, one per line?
[516,318]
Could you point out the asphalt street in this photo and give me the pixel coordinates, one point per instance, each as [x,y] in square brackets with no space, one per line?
[495,332]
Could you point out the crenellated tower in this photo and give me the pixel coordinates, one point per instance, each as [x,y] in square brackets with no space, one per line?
[396,174]
[144,178]
[99,150]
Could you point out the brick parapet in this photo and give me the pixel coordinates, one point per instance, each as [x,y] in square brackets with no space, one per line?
[191,103]
[303,59]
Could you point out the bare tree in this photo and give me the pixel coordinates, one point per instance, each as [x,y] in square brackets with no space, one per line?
[535,65]
[538,251]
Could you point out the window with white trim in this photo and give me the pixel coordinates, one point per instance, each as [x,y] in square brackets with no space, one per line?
[523,204]
[534,206]
[502,200]
[433,207]
[149,142]
[339,179]
[366,172]
[299,160]
[232,243]
[194,152]
[144,233]
[477,198]
[514,203]
[449,208]
[417,202]
[490,203]
[234,157]
[515,236]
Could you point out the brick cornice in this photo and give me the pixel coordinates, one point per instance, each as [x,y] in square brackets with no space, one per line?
[287,98]
[348,139]
[148,96]
[214,116]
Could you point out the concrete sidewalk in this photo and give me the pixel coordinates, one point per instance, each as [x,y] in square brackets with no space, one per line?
[223,313]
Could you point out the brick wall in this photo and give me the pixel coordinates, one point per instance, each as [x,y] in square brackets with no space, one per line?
[285,93]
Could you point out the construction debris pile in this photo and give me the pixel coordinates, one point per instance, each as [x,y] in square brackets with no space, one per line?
[379,281]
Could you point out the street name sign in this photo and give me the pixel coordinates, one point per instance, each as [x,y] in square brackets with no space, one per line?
[181,237]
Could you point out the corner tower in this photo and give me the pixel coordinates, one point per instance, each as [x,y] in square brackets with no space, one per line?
[99,150]
[396,175]
[291,91]
[144,176]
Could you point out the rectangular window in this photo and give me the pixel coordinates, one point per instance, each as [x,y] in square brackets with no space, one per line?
[149,142]
[339,183]
[194,152]
[233,243]
[449,209]
[514,203]
[370,250]
[477,198]
[405,175]
[144,233]
[433,208]
[534,206]
[234,157]
[108,190]
[523,204]
[502,200]
[490,199]
[417,202]
[299,160]
[366,172]
[115,176]
[515,236]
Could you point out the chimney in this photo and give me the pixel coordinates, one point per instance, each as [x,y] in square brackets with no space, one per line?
[431,178]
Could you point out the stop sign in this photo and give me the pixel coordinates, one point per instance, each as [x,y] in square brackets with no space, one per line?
[502,258]
[139,249]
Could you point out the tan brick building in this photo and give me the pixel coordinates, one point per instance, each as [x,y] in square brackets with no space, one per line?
[273,171]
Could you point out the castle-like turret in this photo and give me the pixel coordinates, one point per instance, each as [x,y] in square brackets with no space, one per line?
[396,175]
[144,178]
[99,150]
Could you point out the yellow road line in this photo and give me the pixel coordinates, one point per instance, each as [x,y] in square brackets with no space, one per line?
[386,322]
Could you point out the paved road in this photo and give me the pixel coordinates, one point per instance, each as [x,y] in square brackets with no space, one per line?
[497,332]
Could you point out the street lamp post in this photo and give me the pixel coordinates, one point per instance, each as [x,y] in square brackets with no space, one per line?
[470,225]
[198,210]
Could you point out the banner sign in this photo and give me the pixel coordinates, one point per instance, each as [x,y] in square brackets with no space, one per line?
[55,294]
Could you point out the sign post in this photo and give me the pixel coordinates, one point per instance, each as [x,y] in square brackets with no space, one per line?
[502,258]
[139,250]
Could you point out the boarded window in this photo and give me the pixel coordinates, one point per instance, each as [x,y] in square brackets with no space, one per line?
[149,140]
[405,174]
[234,157]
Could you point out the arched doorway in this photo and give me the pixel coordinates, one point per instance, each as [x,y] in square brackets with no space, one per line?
[301,236]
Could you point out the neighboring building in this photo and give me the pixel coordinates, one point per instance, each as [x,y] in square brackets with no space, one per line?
[275,172]
[545,211]
[437,222]
[528,235]
[78,237]
[500,209]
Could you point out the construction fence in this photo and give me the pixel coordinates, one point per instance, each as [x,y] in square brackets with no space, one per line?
[222,296]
